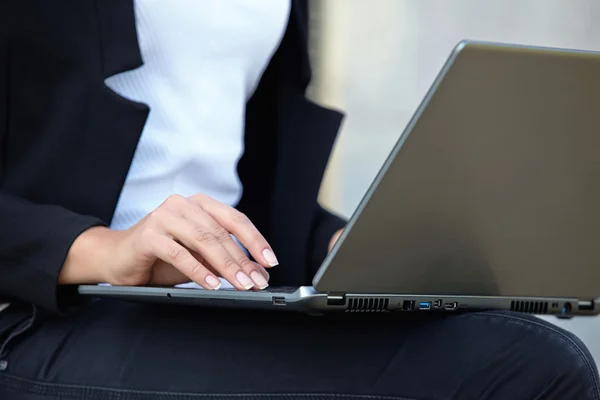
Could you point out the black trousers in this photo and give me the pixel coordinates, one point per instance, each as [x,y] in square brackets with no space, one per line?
[119,351]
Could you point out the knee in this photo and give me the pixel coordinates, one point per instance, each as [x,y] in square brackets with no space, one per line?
[554,362]
[572,367]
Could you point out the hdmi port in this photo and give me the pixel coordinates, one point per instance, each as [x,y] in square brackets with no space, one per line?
[453,305]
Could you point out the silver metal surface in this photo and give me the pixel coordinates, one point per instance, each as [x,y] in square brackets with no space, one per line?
[493,189]
[308,300]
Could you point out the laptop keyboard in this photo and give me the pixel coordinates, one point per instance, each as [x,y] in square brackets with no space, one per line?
[274,289]
[280,289]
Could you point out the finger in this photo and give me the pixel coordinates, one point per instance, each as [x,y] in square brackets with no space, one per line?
[243,229]
[165,274]
[259,267]
[199,237]
[263,271]
[178,256]
[200,217]
[255,271]
[249,267]
[265,275]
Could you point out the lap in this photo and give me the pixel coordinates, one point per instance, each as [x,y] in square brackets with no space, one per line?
[122,349]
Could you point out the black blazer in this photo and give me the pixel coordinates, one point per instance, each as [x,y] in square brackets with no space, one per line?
[67,141]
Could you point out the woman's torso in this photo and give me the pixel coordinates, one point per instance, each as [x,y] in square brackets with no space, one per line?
[202,61]
[67,141]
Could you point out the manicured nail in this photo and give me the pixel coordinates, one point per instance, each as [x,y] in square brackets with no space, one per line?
[213,282]
[270,257]
[259,280]
[244,280]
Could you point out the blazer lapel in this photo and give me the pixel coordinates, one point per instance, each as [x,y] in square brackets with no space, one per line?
[305,135]
[118,36]
[299,20]
[121,120]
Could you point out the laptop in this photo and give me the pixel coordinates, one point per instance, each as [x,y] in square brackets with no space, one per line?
[490,200]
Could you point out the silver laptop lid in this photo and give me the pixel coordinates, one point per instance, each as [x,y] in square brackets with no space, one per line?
[492,189]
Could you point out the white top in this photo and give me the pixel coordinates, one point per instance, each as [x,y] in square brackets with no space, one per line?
[202,61]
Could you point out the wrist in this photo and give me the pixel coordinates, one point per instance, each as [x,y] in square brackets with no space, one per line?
[88,257]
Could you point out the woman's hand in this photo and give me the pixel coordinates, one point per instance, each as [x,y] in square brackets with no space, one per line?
[184,239]
[335,238]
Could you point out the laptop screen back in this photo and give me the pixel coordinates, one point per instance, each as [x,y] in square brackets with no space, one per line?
[492,189]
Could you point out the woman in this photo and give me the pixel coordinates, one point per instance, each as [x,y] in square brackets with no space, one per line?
[95,188]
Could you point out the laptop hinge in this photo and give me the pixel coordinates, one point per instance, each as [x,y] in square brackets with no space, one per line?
[336,299]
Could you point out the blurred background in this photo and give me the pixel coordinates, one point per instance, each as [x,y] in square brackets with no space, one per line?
[376,59]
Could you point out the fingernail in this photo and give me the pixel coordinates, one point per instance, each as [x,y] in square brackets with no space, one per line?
[213,282]
[244,280]
[259,280]
[270,257]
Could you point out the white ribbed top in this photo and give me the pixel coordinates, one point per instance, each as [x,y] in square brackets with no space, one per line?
[202,61]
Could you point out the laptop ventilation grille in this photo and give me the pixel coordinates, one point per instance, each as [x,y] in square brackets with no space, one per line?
[532,307]
[368,305]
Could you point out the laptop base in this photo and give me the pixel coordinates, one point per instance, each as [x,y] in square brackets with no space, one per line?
[306,299]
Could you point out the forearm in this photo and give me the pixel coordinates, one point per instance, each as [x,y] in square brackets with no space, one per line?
[34,243]
[87,258]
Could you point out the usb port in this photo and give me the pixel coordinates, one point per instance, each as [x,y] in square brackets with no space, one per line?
[586,306]
[425,305]
[451,306]
[279,301]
